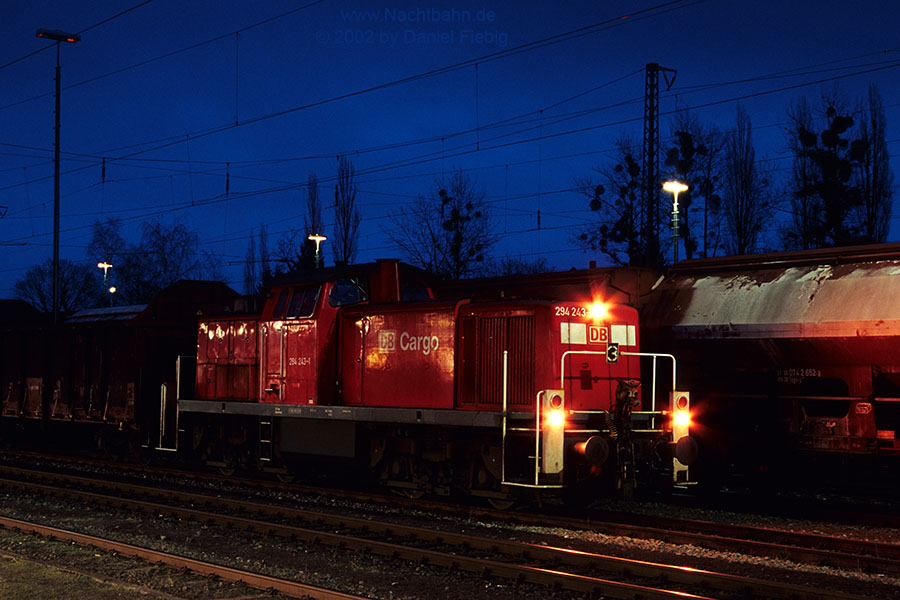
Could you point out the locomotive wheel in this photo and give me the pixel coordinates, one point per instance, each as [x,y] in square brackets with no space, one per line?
[285,477]
[407,475]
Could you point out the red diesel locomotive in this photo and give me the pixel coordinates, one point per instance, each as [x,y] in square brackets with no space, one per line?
[491,387]
[485,397]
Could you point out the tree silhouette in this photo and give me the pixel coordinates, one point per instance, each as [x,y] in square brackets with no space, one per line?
[447,232]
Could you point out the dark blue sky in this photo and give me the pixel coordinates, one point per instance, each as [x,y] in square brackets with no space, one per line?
[168,125]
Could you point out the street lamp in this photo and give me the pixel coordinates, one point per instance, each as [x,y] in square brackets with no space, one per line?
[675,187]
[106,267]
[69,38]
[318,238]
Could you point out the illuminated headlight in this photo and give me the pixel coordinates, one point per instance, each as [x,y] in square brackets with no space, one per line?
[681,415]
[556,418]
[682,418]
[599,311]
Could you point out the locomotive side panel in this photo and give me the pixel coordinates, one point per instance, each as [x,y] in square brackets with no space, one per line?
[227,359]
[301,363]
[399,357]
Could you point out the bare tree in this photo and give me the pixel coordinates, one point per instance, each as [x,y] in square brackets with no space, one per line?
[346,214]
[694,158]
[874,177]
[447,232]
[827,196]
[747,200]
[265,268]
[79,286]
[313,219]
[257,268]
[294,251]
[805,206]
[251,268]
[107,244]
[165,254]
[619,233]
[518,265]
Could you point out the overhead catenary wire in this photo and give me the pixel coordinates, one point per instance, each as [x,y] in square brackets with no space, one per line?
[478,129]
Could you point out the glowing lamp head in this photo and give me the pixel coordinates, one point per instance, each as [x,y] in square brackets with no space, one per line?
[599,310]
[318,238]
[682,418]
[674,186]
[556,418]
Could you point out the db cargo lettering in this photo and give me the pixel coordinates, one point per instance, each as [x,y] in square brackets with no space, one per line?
[418,343]
[426,344]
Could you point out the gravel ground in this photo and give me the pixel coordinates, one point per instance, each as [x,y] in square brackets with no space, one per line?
[377,577]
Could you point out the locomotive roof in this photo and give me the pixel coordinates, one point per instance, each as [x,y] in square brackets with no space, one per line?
[337,271]
[619,284]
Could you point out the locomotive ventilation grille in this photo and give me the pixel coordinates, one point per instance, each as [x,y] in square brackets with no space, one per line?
[484,340]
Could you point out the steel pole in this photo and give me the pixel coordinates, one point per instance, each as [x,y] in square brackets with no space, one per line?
[56,199]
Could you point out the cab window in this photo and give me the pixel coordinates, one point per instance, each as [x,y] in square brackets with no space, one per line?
[303,302]
[280,303]
[347,290]
[413,290]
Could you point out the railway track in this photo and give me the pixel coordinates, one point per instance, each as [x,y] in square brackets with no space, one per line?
[839,552]
[542,565]
[255,580]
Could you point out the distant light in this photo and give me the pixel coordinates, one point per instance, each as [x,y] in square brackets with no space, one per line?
[675,186]
[318,238]
[58,36]
[112,289]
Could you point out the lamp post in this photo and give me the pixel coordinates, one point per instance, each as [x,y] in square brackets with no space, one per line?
[106,267]
[318,238]
[70,38]
[675,187]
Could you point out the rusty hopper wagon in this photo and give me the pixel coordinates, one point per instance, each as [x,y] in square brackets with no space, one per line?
[788,354]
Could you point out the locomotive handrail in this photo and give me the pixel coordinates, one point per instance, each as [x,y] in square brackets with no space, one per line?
[653,355]
[537,437]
